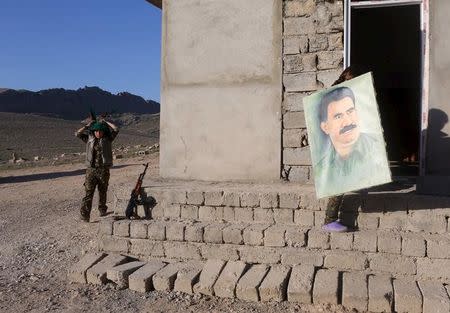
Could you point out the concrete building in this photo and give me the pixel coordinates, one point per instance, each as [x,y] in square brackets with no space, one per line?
[234,74]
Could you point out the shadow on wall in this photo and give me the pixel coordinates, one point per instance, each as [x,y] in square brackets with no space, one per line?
[438,144]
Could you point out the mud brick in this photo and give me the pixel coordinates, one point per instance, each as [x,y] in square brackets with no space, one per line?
[249,199]
[367,221]
[326,78]
[342,241]
[295,236]
[220,251]
[294,256]
[175,196]
[195,198]
[146,247]
[141,280]
[233,234]
[437,269]
[300,82]
[209,213]
[308,201]
[354,291]
[294,45]
[266,255]
[318,239]
[301,284]
[228,214]
[294,120]
[113,244]
[381,294]
[346,260]
[389,242]
[243,215]
[172,210]
[182,250]
[391,263]
[435,297]
[122,228]
[188,276]
[298,25]
[325,289]
[105,227]
[319,218]
[138,229]
[208,277]
[408,298]
[274,285]
[164,279]
[254,234]
[365,241]
[283,216]
[189,212]
[304,218]
[77,273]
[263,215]
[268,200]
[194,232]
[438,247]
[213,233]
[158,211]
[156,231]
[214,198]
[247,286]
[175,231]
[289,200]
[419,221]
[226,283]
[393,220]
[274,236]
[413,245]
[97,273]
[119,274]
[231,199]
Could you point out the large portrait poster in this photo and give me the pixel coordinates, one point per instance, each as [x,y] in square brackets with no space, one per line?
[348,151]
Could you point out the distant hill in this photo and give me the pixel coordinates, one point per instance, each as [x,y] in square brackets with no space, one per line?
[74,104]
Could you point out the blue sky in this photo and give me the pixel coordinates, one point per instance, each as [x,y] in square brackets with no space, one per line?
[112,44]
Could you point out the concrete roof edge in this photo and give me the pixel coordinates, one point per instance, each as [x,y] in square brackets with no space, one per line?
[157,3]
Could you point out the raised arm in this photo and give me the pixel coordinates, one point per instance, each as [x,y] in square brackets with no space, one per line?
[115,129]
[81,133]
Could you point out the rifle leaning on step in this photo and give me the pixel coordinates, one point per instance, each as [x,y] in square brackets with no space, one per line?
[136,197]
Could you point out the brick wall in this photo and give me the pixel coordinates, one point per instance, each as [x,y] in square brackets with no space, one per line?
[312,60]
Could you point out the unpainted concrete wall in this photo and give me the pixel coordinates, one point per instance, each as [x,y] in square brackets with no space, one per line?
[437,178]
[221,89]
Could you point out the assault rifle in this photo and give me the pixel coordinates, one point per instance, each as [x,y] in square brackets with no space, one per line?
[136,197]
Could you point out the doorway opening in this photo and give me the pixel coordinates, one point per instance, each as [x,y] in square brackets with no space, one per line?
[387,41]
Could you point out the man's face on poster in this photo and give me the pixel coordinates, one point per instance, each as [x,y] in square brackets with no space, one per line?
[342,123]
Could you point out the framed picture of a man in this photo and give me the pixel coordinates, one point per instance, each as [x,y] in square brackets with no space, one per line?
[348,151]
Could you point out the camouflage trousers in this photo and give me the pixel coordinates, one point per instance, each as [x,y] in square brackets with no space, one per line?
[333,207]
[95,177]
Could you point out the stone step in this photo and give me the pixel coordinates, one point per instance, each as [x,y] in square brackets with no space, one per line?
[291,204]
[304,284]
[397,253]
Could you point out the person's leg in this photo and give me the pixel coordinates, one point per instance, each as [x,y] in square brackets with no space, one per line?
[103,181]
[90,183]
[332,214]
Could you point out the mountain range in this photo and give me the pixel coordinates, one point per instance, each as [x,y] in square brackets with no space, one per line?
[74,104]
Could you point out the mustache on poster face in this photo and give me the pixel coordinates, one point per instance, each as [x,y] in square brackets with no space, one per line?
[347,128]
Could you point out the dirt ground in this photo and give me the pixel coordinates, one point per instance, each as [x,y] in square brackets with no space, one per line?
[42,236]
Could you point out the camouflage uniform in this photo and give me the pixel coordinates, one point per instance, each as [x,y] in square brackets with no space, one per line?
[333,207]
[98,161]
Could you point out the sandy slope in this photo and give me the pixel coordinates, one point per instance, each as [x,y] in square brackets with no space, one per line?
[41,236]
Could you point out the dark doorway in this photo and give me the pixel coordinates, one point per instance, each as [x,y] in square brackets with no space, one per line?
[387,41]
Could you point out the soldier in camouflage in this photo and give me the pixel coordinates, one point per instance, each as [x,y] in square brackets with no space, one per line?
[98,137]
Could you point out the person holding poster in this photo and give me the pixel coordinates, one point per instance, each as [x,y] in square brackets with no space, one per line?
[347,145]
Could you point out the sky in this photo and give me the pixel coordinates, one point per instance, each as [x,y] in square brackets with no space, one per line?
[112,44]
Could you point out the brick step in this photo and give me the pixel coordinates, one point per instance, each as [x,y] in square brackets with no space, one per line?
[305,284]
[420,256]
[290,204]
